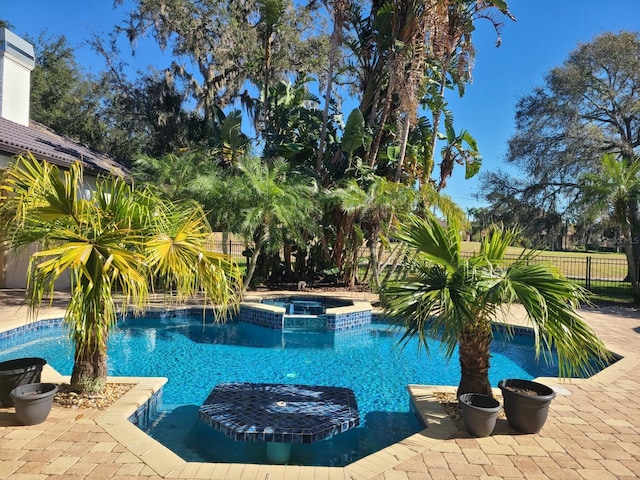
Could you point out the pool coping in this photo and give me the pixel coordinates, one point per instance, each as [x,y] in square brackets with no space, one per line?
[439,427]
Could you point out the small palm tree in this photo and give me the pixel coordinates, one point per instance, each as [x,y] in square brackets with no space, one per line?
[375,209]
[272,203]
[457,299]
[108,239]
[615,189]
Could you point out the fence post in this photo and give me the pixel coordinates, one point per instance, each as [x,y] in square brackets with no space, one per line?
[587,280]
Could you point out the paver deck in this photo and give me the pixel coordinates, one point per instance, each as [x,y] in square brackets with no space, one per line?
[593,432]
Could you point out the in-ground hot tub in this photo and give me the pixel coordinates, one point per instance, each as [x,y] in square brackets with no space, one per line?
[305,312]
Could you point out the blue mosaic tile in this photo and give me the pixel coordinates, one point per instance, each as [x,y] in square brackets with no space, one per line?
[15,336]
[306,314]
[265,412]
[148,411]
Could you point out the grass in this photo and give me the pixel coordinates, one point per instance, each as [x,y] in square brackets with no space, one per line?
[475,247]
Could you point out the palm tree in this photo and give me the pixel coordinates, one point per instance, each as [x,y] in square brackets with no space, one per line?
[457,299]
[339,9]
[376,208]
[615,189]
[112,238]
[273,204]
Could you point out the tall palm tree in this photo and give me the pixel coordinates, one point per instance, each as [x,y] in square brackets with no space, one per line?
[112,238]
[453,54]
[339,10]
[457,299]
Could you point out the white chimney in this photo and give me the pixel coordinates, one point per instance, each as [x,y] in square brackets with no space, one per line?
[17,59]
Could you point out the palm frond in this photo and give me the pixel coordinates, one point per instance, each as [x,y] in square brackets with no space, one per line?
[431,240]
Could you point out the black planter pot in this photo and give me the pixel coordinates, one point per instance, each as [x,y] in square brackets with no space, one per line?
[33,402]
[20,371]
[479,413]
[526,404]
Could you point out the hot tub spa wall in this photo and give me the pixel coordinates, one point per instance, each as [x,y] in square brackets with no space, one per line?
[341,314]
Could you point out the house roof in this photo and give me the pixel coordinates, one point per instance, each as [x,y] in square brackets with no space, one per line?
[45,144]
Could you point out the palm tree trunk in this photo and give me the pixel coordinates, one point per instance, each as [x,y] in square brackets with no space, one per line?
[335,42]
[632,268]
[436,115]
[225,242]
[375,146]
[373,262]
[90,368]
[251,268]
[474,350]
[633,250]
[406,126]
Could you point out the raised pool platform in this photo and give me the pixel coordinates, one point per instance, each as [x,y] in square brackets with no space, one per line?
[279,414]
[305,312]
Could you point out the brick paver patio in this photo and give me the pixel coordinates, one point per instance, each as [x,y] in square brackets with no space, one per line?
[593,432]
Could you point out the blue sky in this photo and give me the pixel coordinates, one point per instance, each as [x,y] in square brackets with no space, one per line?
[545,33]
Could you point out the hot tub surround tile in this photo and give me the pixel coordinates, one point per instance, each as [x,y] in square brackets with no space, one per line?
[340,314]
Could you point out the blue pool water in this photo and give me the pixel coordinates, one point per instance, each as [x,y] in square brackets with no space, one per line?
[196,356]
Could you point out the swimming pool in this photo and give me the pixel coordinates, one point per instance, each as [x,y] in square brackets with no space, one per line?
[196,357]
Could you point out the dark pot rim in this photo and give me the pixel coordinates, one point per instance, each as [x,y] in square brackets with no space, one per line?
[479,400]
[542,391]
[19,365]
[34,391]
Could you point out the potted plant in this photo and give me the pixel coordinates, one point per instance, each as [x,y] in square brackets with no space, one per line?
[526,404]
[479,413]
[33,402]
[19,371]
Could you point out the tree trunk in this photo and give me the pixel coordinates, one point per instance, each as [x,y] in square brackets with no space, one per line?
[300,266]
[474,349]
[632,270]
[375,146]
[89,368]
[287,249]
[373,262]
[437,114]
[251,268]
[225,242]
[633,250]
[336,37]
[406,126]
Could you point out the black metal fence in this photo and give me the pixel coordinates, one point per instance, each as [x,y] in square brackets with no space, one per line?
[603,275]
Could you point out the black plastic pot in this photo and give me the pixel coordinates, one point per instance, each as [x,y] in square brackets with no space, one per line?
[33,402]
[526,404]
[479,413]
[20,371]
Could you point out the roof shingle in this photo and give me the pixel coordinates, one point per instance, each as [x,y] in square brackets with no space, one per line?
[45,144]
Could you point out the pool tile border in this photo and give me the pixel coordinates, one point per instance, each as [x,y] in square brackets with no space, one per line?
[337,318]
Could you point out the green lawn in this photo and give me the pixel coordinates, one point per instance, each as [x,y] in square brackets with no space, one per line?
[475,246]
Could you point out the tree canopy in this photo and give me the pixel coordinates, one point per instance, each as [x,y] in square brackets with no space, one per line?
[587,107]
[245,80]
